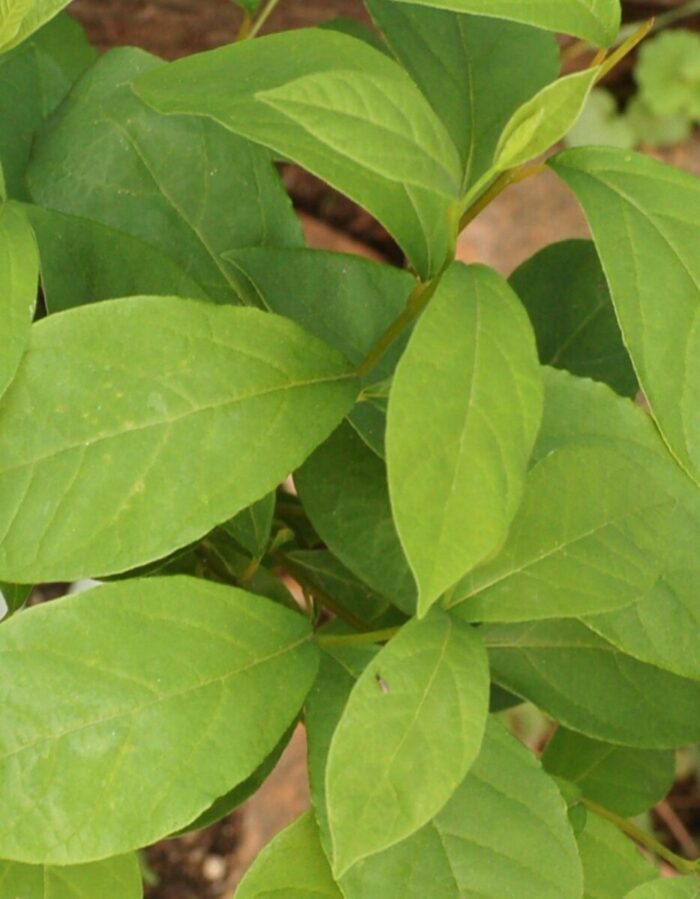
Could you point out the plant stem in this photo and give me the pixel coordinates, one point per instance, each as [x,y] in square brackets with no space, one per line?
[512,176]
[684,865]
[264,15]
[625,48]
[359,639]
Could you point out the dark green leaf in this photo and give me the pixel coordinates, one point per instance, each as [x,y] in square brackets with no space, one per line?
[206,408]
[171,720]
[14,595]
[564,290]
[251,527]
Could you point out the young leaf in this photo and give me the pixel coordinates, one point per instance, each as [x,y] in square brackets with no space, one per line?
[184,185]
[83,262]
[487,67]
[590,536]
[463,851]
[206,408]
[597,21]
[678,888]
[645,219]
[612,864]
[659,629]
[249,6]
[543,120]
[292,865]
[626,781]
[433,672]
[359,149]
[464,410]
[564,290]
[591,687]
[21,18]
[120,876]
[171,719]
[344,491]
[19,277]
[35,78]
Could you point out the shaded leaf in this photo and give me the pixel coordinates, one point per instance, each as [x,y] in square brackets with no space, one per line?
[14,595]
[119,876]
[251,527]
[612,864]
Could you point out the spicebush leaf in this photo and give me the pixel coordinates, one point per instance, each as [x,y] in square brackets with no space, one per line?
[206,408]
[19,276]
[119,876]
[612,864]
[645,219]
[185,185]
[462,851]
[661,628]
[592,687]
[292,865]
[543,120]
[344,491]
[486,67]
[251,527]
[464,410]
[35,78]
[596,21]
[234,84]
[564,290]
[171,719]
[434,671]
[14,596]
[590,536]
[626,781]
[83,261]
[677,888]
[21,18]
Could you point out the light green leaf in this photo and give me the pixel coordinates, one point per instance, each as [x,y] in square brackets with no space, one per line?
[36,76]
[677,888]
[203,421]
[597,21]
[564,291]
[660,629]
[292,866]
[590,536]
[434,671]
[344,491]
[113,877]
[83,262]
[21,18]
[251,527]
[184,185]
[234,85]
[602,124]
[19,277]
[543,120]
[465,850]
[612,864]
[464,410]
[626,781]
[591,687]
[171,719]
[645,219]
[468,63]
[668,73]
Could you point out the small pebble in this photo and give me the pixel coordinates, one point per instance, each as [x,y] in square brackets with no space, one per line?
[214,868]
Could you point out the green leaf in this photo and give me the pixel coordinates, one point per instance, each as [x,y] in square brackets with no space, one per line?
[83,262]
[564,290]
[356,29]
[543,120]
[464,410]
[659,629]
[344,491]
[668,73]
[591,687]
[35,77]
[184,185]
[249,6]
[19,276]
[251,527]
[612,864]
[645,219]
[21,18]
[14,596]
[363,151]
[171,719]
[465,851]
[203,421]
[590,536]
[626,781]
[653,130]
[434,671]
[119,876]
[601,123]
[677,888]
[468,63]
[292,865]
[597,21]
